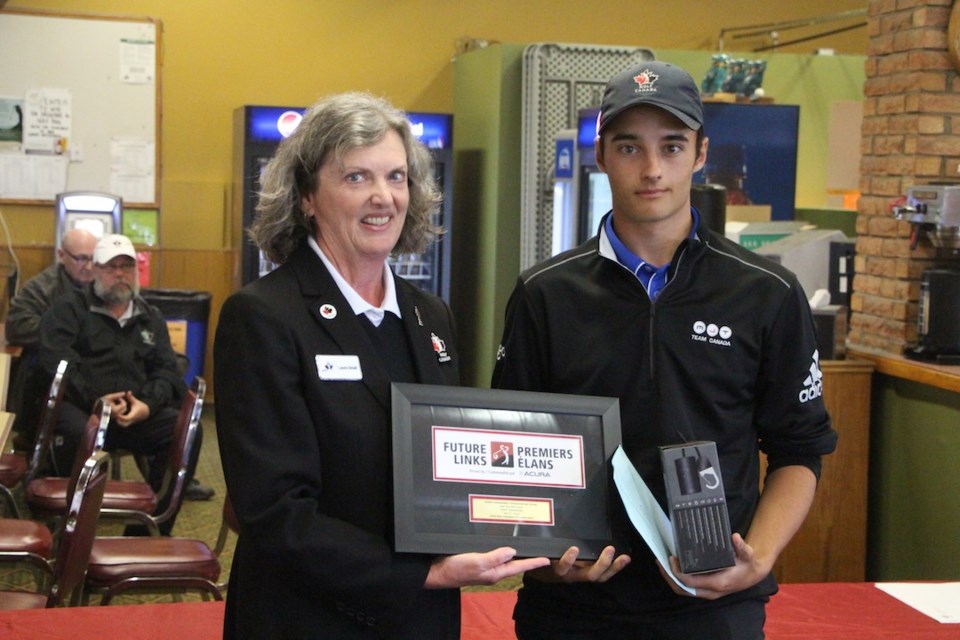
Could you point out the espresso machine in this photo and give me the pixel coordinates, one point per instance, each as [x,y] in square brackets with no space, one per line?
[934,211]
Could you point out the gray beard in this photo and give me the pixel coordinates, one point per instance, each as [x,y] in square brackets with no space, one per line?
[115,295]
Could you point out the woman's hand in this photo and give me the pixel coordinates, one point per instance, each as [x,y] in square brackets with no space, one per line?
[466,569]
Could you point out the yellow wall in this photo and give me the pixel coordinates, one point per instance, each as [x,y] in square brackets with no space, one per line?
[218,55]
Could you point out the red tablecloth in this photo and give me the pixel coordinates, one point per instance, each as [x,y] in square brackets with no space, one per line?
[826,611]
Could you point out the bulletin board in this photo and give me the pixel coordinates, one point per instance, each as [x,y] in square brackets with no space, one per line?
[86,92]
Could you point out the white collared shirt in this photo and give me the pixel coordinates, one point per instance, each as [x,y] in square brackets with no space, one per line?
[126,315]
[356,302]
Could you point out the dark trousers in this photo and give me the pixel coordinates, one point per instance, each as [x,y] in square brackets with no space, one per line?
[742,620]
[149,440]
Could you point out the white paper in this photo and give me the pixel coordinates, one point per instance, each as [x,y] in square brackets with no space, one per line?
[46,120]
[939,600]
[132,168]
[138,61]
[32,177]
[645,513]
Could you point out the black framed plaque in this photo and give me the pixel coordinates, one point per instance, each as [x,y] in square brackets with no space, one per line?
[476,469]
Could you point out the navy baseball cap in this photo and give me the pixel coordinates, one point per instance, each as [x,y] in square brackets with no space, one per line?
[659,84]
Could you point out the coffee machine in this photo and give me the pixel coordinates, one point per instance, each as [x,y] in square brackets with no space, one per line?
[934,210]
[938,323]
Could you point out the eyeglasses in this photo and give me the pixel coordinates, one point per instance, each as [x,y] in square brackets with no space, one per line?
[126,267]
[81,260]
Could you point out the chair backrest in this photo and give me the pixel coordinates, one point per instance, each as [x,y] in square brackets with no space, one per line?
[48,421]
[80,528]
[94,435]
[181,449]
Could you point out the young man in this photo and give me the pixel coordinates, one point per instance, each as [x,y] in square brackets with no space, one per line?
[700,339]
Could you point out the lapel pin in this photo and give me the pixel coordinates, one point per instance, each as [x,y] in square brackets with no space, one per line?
[440,347]
[416,311]
[328,311]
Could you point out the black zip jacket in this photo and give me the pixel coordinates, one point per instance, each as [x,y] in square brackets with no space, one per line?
[726,353]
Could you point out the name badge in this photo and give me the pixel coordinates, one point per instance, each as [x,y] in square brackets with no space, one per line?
[339,367]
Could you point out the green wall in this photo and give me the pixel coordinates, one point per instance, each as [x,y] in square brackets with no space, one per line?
[486,241]
[914,504]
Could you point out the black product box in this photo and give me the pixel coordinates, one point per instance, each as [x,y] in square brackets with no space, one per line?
[697,506]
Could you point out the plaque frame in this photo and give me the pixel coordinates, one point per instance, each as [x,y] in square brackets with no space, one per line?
[434,510]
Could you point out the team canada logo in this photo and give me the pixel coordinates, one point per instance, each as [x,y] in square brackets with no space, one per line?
[646,81]
[440,347]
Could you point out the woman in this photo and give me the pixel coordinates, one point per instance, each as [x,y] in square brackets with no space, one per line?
[304,360]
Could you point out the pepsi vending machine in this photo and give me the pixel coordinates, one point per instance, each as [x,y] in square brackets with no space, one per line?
[258,130]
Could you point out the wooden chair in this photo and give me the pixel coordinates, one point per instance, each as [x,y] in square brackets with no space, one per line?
[66,574]
[17,470]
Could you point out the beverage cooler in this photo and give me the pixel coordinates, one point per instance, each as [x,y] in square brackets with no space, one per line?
[258,130]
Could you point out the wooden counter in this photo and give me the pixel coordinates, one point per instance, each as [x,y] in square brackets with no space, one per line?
[936,375]
[831,546]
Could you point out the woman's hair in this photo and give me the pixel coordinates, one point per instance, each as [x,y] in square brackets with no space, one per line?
[330,128]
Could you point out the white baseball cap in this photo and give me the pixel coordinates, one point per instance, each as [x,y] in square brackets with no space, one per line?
[112,245]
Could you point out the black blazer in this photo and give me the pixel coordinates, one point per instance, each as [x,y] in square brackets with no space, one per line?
[308,462]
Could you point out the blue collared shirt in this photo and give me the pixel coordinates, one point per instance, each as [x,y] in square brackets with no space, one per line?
[652,278]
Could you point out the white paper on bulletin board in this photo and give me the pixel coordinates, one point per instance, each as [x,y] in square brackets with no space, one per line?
[46,120]
[105,71]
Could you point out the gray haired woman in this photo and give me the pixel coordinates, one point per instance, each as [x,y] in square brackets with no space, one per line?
[304,358]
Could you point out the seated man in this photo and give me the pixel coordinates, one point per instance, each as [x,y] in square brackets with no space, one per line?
[119,349]
[72,270]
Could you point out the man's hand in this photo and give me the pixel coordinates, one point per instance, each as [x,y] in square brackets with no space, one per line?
[787,495]
[569,569]
[746,572]
[117,401]
[135,410]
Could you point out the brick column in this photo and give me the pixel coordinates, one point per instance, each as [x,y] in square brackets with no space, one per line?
[911,135]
